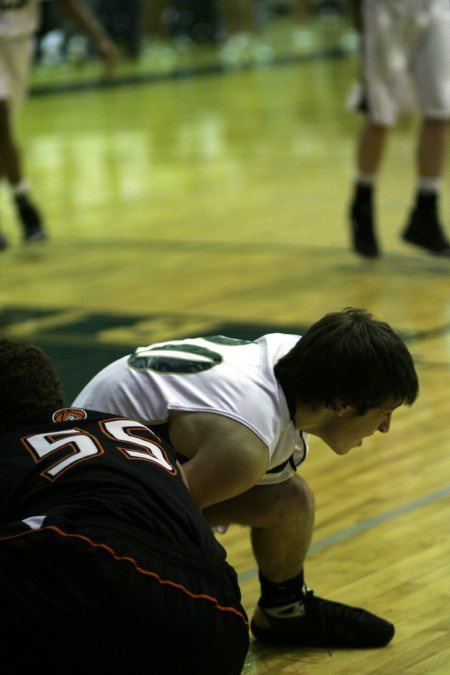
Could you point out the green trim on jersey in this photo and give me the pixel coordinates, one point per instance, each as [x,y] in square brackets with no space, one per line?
[223,340]
[143,359]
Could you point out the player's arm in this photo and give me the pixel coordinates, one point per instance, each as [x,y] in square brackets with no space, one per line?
[183,475]
[226,457]
[81,15]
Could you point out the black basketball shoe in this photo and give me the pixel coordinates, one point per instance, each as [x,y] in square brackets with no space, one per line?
[315,622]
[30,219]
[362,223]
[425,231]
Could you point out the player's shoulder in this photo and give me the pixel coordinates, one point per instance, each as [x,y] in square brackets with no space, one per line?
[57,421]
[277,345]
[78,416]
[286,339]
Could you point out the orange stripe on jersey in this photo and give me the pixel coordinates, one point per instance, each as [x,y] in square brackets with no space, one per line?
[116,556]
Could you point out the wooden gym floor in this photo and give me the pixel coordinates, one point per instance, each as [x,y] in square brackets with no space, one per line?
[215,202]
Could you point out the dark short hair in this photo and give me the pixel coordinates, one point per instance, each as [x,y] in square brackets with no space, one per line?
[29,386]
[348,356]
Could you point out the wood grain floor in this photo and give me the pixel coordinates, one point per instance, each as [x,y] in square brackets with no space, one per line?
[180,205]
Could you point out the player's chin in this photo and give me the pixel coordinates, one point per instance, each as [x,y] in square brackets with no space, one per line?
[339,451]
[346,449]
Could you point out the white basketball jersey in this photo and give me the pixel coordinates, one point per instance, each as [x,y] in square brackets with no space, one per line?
[216,374]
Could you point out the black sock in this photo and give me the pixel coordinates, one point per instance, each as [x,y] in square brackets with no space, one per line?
[363,194]
[28,213]
[426,202]
[278,594]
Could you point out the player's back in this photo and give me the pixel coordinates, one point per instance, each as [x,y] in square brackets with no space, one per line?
[107,564]
[102,469]
[211,374]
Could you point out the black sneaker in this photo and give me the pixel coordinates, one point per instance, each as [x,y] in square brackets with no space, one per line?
[425,231]
[319,623]
[33,229]
[362,230]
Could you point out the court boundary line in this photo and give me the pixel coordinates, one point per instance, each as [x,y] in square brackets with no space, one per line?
[182,73]
[364,526]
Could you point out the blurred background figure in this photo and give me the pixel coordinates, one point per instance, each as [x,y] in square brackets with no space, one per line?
[117,545]
[402,40]
[18,29]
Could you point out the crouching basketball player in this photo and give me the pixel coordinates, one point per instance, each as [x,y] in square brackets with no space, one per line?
[106,564]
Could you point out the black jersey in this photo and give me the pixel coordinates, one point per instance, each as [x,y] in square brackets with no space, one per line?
[92,467]
[106,564]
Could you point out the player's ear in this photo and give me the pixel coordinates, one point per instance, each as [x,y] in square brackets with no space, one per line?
[340,407]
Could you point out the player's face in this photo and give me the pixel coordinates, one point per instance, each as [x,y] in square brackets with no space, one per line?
[347,429]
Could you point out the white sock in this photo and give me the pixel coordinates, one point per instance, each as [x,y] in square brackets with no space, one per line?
[365,178]
[429,184]
[21,188]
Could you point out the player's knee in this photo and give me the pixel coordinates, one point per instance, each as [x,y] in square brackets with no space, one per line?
[295,500]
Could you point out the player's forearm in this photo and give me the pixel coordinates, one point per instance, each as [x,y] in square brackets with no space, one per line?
[82,16]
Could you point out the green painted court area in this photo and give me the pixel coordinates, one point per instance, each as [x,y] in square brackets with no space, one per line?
[81,344]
